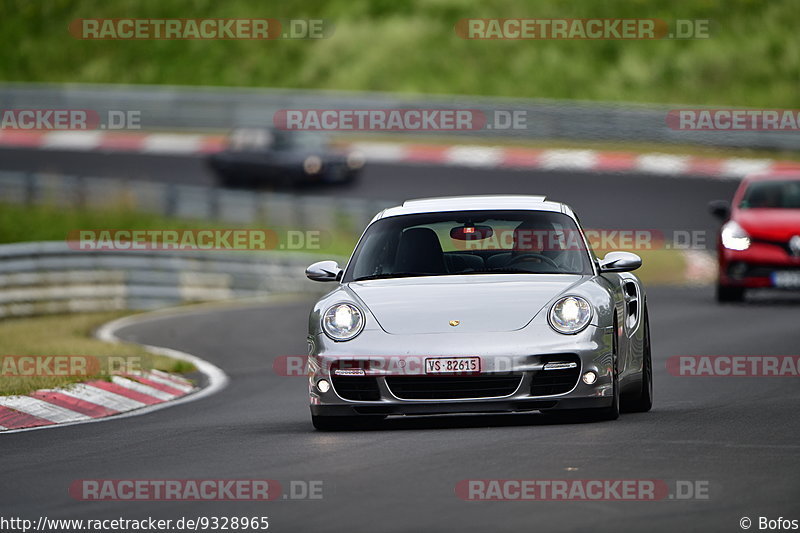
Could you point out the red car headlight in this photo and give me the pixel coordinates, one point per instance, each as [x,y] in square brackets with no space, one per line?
[734,237]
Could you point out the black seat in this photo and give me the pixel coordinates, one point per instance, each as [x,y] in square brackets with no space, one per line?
[420,251]
[463,262]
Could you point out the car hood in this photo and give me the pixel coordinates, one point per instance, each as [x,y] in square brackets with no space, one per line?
[480,302]
[770,224]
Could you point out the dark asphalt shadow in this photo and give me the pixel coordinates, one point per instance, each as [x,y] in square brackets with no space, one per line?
[431,422]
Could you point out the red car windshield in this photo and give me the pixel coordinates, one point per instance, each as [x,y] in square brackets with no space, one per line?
[772,195]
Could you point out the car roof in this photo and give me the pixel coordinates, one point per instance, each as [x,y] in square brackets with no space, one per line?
[475,203]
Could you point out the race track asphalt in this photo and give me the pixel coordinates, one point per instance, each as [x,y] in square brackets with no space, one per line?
[607,201]
[738,436]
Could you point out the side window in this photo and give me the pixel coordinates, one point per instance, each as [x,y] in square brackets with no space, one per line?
[379,250]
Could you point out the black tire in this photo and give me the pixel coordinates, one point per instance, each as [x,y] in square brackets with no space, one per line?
[643,401]
[337,423]
[729,294]
[229,181]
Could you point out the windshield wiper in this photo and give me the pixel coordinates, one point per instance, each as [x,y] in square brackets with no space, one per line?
[388,275]
[505,271]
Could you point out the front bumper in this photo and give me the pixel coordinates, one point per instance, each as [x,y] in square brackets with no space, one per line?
[483,406]
[504,356]
[757,266]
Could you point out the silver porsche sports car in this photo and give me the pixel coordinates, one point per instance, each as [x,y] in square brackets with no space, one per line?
[478,304]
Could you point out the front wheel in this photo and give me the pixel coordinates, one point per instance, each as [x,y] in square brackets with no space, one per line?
[729,294]
[643,402]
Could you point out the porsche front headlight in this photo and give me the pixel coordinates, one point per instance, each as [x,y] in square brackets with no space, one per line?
[342,321]
[734,237]
[570,315]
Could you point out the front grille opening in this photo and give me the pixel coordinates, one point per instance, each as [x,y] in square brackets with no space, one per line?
[452,387]
[357,388]
[549,382]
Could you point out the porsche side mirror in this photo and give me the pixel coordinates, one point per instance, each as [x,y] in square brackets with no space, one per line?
[721,209]
[324,271]
[620,262]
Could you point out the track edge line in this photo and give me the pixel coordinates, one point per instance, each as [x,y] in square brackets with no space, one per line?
[217,378]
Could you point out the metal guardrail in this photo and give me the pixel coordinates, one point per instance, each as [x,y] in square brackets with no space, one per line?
[49,277]
[204,108]
[265,208]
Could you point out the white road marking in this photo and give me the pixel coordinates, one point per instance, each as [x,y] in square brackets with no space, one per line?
[474,156]
[152,376]
[387,152]
[217,379]
[103,398]
[72,140]
[42,409]
[568,159]
[172,143]
[170,377]
[742,167]
[141,388]
[662,163]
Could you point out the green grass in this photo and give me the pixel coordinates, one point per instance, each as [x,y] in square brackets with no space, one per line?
[44,223]
[70,335]
[47,223]
[659,267]
[751,59]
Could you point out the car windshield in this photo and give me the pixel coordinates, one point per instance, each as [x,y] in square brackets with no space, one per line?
[290,141]
[772,194]
[470,242]
[258,139]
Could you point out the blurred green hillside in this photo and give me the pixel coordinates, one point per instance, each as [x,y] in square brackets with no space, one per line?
[751,59]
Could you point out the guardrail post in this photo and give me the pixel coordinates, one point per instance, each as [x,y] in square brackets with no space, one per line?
[213,193]
[171,205]
[80,192]
[30,188]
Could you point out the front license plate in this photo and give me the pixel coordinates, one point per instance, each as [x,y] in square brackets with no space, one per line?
[786,279]
[452,365]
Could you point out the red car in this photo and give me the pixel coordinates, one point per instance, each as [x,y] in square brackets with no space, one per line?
[759,242]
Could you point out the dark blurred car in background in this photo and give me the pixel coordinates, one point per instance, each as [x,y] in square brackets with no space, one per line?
[759,243]
[261,157]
